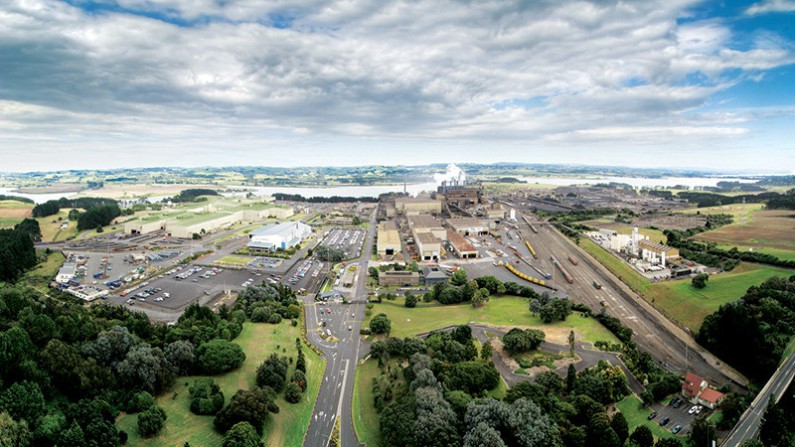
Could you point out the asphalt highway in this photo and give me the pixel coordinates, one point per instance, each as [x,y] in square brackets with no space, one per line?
[343,322]
[749,422]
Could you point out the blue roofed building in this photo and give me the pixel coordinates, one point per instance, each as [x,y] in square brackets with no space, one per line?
[278,236]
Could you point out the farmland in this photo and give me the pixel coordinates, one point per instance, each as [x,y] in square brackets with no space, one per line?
[12,212]
[762,229]
[688,306]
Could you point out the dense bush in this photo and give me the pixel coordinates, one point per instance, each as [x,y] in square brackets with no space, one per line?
[217,356]
[206,397]
[151,421]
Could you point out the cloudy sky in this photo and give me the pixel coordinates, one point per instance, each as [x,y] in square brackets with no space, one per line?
[674,83]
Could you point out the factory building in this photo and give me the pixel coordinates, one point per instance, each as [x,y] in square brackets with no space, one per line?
[388,243]
[402,278]
[66,272]
[429,246]
[275,236]
[415,206]
[468,226]
[426,224]
[461,247]
[655,253]
[207,218]
[461,196]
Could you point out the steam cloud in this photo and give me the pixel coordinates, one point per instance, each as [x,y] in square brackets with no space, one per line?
[453,176]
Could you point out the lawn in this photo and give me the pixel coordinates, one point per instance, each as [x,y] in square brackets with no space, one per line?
[235,260]
[43,273]
[630,276]
[680,301]
[8,223]
[499,311]
[781,253]
[288,427]
[637,414]
[739,211]
[12,212]
[365,417]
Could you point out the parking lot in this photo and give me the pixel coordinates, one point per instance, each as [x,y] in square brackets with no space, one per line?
[677,415]
[347,240]
[189,288]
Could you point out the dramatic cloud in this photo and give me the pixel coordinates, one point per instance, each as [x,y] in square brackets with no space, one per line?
[176,79]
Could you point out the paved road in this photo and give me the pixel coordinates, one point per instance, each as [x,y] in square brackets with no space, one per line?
[588,358]
[336,391]
[667,343]
[749,422]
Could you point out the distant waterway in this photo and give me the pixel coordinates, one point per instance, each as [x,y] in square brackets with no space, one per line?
[416,188]
[637,182]
[342,191]
[38,198]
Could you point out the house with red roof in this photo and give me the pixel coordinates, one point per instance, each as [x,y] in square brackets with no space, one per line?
[696,390]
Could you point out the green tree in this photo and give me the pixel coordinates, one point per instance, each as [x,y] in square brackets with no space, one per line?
[472,377]
[642,436]
[459,278]
[272,372]
[292,393]
[701,431]
[671,442]
[217,356]
[380,324]
[13,433]
[242,434]
[486,351]
[151,421]
[252,406]
[700,281]
[411,300]
[206,396]
[146,369]
[23,401]
[619,425]
[774,426]
[73,436]
[518,340]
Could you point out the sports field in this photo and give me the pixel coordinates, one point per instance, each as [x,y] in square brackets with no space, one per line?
[258,340]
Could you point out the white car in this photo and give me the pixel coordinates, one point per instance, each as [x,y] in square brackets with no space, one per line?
[692,409]
[699,408]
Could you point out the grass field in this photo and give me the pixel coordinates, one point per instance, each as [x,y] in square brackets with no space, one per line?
[285,428]
[771,229]
[632,278]
[500,311]
[680,301]
[236,260]
[637,414]
[739,211]
[365,418]
[42,274]
[51,227]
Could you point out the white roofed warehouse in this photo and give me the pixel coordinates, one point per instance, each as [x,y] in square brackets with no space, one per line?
[275,236]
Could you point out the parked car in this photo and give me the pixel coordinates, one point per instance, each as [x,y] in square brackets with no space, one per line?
[665,421]
[678,403]
[699,408]
[652,415]
[673,401]
[692,409]
[676,429]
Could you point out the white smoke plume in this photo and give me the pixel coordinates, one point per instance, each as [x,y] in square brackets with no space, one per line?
[453,176]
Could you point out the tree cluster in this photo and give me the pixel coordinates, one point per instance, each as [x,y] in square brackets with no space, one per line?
[98,216]
[52,207]
[329,254]
[17,252]
[752,333]
[190,195]
[268,304]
